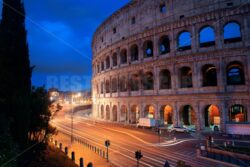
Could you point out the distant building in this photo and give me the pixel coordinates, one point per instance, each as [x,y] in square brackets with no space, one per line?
[182,62]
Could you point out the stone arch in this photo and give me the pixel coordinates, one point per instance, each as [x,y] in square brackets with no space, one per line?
[134,82]
[134,114]
[107,112]
[149,111]
[114,112]
[235,73]
[123,57]
[207,36]
[148,81]
[148,49]
[114,59]
[164,45]
[107,62]
[124,113]
[123,84]
[232,32]
[165,79]
[107,86]
[114,85]
[186,80]
[238,113]
[102,112]
[187,116]
[134,51]
[212,117]
[184,41]
[209,75]
[167,114]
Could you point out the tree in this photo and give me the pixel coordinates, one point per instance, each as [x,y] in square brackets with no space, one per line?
[15,71]
[40,129]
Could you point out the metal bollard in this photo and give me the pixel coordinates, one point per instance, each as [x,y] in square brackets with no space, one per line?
[81,162]
[66,150]
[73,156]
[103,154]
[60,145]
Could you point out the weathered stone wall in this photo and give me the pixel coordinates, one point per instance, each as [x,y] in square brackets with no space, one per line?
[151,24]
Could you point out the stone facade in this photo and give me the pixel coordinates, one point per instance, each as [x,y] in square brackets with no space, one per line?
[150,59]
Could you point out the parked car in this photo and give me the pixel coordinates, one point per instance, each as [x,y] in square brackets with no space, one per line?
[179,129]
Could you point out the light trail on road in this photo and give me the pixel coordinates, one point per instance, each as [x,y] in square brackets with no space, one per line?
[123,144]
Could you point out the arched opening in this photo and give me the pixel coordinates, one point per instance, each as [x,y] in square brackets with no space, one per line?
[149,112]
[166,115]
[114,85]
[184,41]
[209,75]
[114,59]
[188,117]
[107,62]
[124,114]
[134,52]
[102,87]
[235,74]
[123,56]
[102,112]
[165,79]
[107,112]
[148,49]
[102,66]
[212,117]
[123,84]
[114,111]
[186,77]
[107,86]
[238,113]
[134,115]
[148,81]
[135,82]
[164,45]
[207,37]
[232,32]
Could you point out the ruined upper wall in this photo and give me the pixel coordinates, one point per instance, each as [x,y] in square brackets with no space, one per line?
[147,15]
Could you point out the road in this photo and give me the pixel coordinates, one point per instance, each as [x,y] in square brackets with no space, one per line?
[125,141]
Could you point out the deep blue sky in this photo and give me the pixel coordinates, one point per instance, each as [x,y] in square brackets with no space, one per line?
[59,36]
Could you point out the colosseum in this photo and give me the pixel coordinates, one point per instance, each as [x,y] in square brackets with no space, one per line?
[180,62]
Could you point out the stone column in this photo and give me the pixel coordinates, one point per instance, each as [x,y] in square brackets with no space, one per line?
[176,109]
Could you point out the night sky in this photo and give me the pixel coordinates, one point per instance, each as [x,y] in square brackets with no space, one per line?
[59,36]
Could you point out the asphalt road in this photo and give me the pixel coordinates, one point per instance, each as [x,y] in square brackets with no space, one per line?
[125,141]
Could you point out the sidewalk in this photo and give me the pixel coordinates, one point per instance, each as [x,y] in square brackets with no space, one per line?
[81,151]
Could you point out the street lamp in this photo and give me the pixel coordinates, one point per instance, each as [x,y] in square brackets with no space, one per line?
[72,119]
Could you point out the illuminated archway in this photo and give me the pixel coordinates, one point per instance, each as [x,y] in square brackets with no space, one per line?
[124,114]
[114,111]
[212,116]
[166,114]
[149,112]
[134,115]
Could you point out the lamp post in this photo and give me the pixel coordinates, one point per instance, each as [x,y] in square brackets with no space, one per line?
[72,119]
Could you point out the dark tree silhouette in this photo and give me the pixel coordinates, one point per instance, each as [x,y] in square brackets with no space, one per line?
[15,71]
